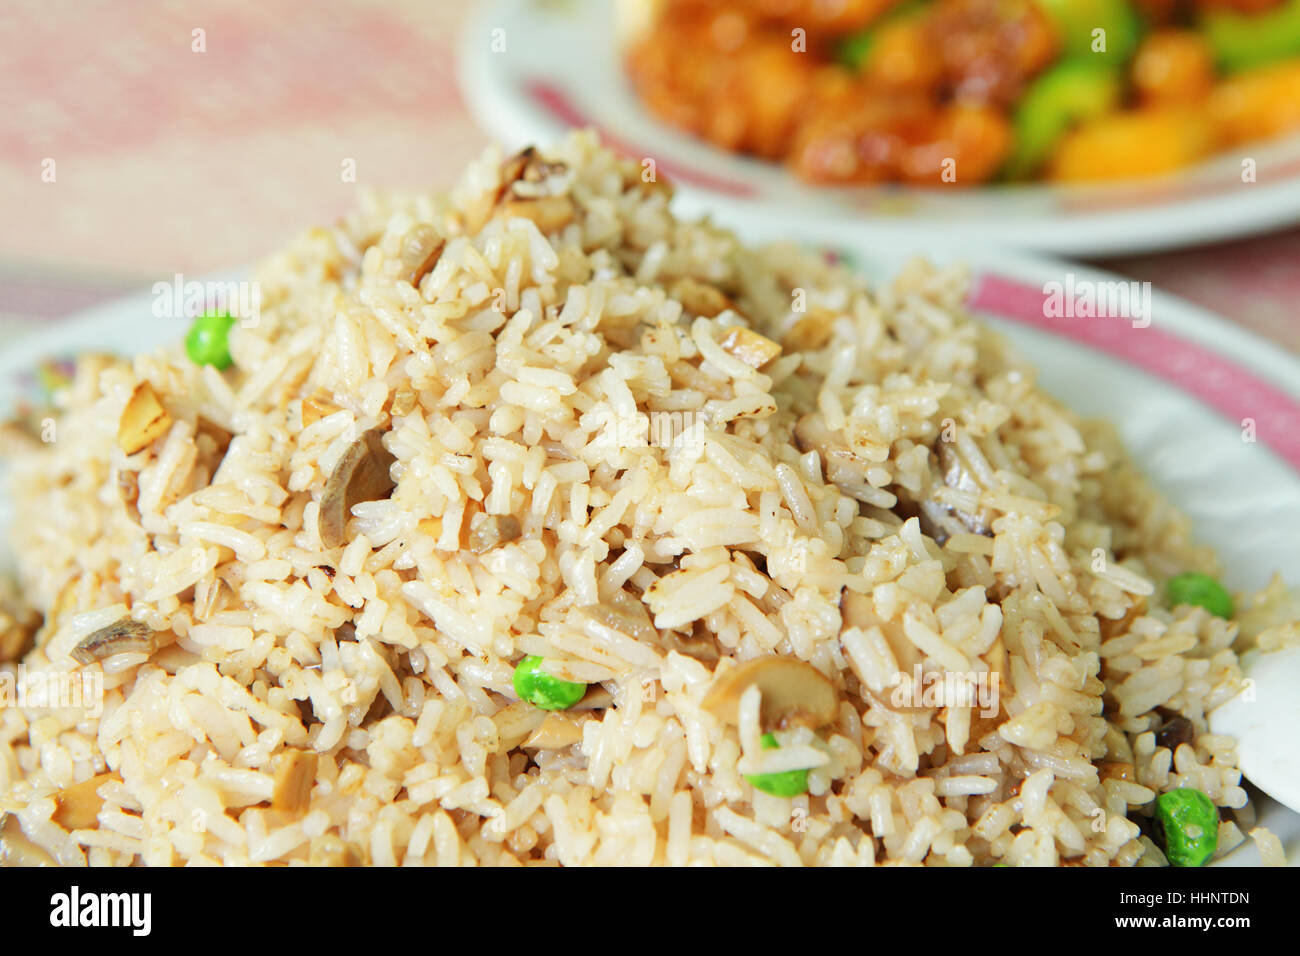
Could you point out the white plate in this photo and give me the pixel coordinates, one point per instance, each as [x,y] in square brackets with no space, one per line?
[1177,390]
[561,68]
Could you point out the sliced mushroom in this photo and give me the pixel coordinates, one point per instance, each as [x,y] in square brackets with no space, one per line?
[958,476]
[556,732]
[18,627]
[623,614]
[700,298]
[521,192]
[941,521]
[539,170]
[515,722]
[1114,627]
[124,636]
[810,333]
[315,408]
[403,403]
[77,807]
[1175,732]
[1116,770]
[513,169]
[209,597]
[527,166]
[751,348]
[493,531]
[143,420]
[699,644]
[840,464]
[421,249]
[548,213]
[794,693]
[294,777]
[362,474]
[596,698]
[16,849]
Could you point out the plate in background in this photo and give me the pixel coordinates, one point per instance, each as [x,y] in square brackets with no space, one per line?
[561,68]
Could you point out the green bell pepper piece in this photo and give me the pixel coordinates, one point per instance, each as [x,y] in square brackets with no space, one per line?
[1070,92]
[1077,21]
[1244,40]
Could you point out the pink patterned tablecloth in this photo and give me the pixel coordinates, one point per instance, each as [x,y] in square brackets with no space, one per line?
[167,158]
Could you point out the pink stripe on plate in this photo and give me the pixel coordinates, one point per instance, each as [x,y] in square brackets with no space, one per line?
[557,102]
[1225,386]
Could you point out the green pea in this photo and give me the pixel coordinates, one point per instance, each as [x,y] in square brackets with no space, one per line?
[541,689]
[1202,590]
[1190,822]
[1067,94]
[1244,40]
[788,783]
[208,342]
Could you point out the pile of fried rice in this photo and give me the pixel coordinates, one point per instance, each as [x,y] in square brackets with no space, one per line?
[734,491]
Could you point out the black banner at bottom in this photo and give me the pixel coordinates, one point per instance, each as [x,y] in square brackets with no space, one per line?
[307,905]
